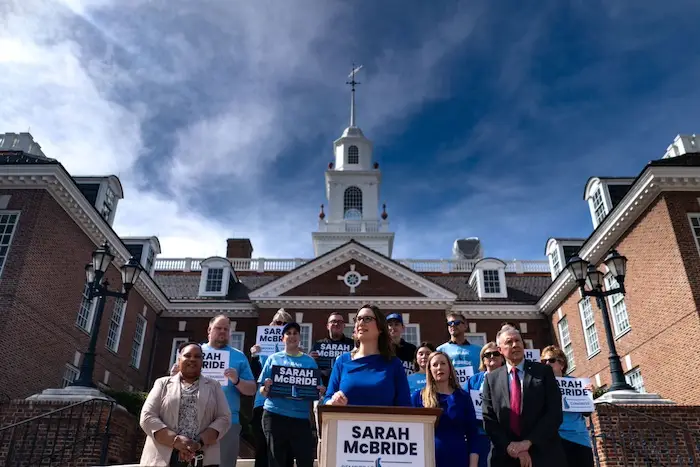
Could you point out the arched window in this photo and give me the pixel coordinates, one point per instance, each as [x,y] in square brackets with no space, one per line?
[353,155]
[352,203]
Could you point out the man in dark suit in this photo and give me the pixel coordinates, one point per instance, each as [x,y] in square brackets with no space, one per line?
[522,409]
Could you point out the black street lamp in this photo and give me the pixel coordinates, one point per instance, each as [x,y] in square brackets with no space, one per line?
[587,274]
[99,288]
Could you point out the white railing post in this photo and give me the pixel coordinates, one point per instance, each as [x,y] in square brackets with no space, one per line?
[445,266]
[188,264]
[519,269]
[261,264]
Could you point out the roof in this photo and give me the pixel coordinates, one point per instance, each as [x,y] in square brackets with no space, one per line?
[690,159]
[522,289]
[20,157]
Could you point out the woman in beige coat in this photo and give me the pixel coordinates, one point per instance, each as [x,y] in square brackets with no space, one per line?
[184,414]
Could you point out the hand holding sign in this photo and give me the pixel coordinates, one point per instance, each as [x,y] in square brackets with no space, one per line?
[254,350]
[313,354]
[266,387]
[232,375]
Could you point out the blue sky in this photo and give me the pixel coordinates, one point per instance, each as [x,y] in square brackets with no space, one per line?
[487,117]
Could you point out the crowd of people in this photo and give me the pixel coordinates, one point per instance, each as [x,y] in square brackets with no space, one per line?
[193,420]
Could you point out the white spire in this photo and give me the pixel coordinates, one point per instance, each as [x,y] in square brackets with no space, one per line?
[352,83]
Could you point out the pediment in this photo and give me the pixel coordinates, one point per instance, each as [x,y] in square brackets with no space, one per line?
[352,270]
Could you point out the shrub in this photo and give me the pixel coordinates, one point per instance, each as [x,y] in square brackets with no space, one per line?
[131,401]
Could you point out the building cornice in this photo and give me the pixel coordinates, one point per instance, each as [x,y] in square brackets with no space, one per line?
[63,189]
[349,252]
[652,181]
[198,309]
[496,311]
[401,303]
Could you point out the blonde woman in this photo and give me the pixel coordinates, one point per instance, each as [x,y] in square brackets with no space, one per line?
[456,431]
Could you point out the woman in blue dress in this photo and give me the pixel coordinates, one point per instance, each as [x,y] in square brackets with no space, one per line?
[370,374]
[416,381]
[456,431]
[491,359]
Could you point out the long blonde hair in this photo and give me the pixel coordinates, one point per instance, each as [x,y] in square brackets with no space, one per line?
[429,394]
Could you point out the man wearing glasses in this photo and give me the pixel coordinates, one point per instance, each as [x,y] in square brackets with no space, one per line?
[326,350]
[464,356]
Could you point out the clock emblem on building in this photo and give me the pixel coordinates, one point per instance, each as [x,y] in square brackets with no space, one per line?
[352,278]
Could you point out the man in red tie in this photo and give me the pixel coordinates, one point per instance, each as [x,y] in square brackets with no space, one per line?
[522,409]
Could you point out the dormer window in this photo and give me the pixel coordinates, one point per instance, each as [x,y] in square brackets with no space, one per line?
[216,276]
[603,194]
[559,251]
[108,205]
[489,278]
[353,155]
[598,207]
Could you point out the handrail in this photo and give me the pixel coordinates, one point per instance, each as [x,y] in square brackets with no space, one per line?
[47,414]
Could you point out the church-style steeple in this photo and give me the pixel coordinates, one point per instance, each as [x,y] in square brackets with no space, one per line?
[352,189]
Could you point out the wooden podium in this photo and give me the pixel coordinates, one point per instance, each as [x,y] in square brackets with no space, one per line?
[363,436]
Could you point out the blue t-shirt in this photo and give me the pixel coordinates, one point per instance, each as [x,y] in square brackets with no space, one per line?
[462,356]
[280,405]
[573,429]
[370,380]
[239,362]
[259,398]
[416,381]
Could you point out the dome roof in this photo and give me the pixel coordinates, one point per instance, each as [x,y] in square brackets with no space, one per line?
[352,131]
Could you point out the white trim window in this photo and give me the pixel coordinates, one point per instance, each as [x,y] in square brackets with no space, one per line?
[137,343]
[694,219]
[634,379]
[565,341]
[237,340]
[116,323]
[529,343]
[598,206]
[411,333]
[8,224]
[555,262]
[492,283]
[215,278]
[306,337]
[86,312]
[70,374]
[618,308]
[590,334]
[476,338]
[177,342]
[489,278]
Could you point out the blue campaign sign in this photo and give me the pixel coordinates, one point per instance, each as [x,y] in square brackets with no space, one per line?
[295,383]
[329,351]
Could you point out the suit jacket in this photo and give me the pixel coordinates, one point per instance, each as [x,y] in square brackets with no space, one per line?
[161,410]
[540,416]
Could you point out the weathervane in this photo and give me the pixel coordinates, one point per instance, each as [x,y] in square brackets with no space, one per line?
[352,83]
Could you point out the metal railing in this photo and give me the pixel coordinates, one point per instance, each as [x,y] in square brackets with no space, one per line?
[59,437]
[636,439]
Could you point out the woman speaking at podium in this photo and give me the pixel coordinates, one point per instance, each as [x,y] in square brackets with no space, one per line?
[370,374]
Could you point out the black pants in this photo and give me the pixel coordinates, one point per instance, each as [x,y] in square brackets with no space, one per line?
[287,438]
[577,455]
[261,458]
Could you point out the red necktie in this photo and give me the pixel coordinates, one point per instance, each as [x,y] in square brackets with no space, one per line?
[515,402]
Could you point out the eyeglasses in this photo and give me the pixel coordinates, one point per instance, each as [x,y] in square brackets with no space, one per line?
[279,323]
[494,354]
[550,360]
[364,319]
[455,322]
[336,321]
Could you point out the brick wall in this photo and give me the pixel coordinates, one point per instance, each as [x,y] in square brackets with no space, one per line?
[71,434]
[40,294]
[661,304]
[647,435]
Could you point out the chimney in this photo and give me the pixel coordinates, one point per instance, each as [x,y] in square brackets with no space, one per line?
[239,248]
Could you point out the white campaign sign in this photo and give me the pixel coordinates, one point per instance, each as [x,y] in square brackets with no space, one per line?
[477,401]
[214,363]
[463,375]
[533,355]
[370,444]
[269,338]
[574,396]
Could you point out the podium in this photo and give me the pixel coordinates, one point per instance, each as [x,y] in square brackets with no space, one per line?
[363,436]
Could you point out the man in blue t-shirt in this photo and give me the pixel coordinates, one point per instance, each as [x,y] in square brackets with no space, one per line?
[240,381]
[464,356]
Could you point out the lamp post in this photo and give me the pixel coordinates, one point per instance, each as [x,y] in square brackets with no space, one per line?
[587,274]
[99,288]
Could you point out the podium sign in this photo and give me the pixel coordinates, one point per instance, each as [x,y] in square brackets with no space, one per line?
[358,436]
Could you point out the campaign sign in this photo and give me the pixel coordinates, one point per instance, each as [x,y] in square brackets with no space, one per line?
[533,355]
[574,396]
[369,444]
[295,383]
[463,375]
[328,352]
[478,401]
[269,338]
[214,363]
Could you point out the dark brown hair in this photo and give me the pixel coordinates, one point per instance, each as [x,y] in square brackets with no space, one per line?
[427,345]
[385,344]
